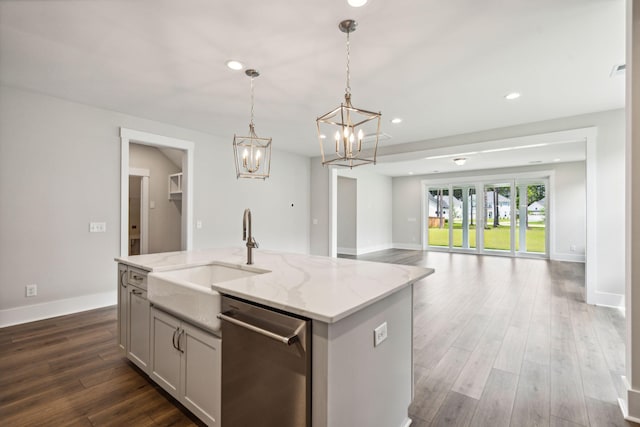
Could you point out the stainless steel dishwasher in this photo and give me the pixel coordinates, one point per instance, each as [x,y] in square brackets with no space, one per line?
[266,366]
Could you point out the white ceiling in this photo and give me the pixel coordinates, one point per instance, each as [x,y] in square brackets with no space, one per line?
[442,66]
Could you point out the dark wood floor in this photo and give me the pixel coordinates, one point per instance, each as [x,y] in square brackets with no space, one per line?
[68,371]
[498,342]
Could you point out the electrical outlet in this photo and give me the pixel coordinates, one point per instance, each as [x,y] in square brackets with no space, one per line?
[31,290]
[379,334]
[573,248]
[198,224]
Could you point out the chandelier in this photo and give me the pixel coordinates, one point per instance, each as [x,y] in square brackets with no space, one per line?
[252,153]
[343,131]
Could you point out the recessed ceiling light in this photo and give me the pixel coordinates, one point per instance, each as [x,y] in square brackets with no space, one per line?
[396,120]
[410,173]
[235,65]
[556,160]
[460,161]
[512,96]
[323,136]
[357,3]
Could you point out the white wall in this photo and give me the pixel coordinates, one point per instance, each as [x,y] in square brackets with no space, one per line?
[347,215]
[319,208]
[165,218]
[570,208]
[374,209]
[60,169]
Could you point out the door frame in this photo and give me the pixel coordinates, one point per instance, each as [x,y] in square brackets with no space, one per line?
[144,208]
[130,136]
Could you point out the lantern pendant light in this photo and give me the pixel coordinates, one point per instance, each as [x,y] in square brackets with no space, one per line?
[343,132]
[252,153]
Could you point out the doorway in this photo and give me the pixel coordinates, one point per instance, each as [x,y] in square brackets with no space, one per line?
[347,216]
[128,137]
[138,211]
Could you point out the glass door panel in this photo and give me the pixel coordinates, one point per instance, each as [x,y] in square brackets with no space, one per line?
[532,221]
[497,217]
[463,217]
[438,217]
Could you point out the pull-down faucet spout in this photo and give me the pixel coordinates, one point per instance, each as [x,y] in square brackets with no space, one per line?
[246,235]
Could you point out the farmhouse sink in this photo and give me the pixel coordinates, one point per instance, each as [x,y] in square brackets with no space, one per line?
[187,291]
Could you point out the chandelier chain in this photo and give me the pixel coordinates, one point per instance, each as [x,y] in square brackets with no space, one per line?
[252,101]
[348,89]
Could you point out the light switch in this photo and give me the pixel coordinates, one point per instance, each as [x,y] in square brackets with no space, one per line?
[315,221]
[97,227]
[152,204]
[198,224]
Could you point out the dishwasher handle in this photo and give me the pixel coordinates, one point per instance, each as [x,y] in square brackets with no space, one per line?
[288,340]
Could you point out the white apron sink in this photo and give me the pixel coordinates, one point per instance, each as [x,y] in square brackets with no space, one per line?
[187,292]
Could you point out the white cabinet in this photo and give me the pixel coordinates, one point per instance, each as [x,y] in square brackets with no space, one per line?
[133,315]
[123,296]
[175,186]
[138,327]
[185,361]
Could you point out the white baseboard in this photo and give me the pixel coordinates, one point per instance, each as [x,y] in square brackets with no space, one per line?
[31,313]
[347,251]
[569,257]
[410,246]
[632,401]
[606,299]
[375,248]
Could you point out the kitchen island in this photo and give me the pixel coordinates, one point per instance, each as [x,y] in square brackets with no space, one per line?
[356,379]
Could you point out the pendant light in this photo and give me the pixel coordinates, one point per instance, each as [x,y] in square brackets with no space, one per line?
[252,153]
[344,131]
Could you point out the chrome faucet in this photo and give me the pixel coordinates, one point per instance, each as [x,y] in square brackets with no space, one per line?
[251,241]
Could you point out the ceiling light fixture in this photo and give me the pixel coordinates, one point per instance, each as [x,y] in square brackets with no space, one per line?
[252,153]
[353,124]
[511,96]
[235,65]
[460,161]
[357,3]
[396,120]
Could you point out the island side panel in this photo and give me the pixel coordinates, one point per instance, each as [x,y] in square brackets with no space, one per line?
[355,383]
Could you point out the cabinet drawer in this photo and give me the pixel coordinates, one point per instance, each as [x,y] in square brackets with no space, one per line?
[137,277]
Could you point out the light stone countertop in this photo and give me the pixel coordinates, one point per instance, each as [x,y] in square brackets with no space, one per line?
[321,288]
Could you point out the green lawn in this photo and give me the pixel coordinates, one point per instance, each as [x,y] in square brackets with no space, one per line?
[494,238]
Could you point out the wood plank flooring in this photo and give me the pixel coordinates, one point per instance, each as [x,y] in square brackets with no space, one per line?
[69,371]
[510,342]
[498,342]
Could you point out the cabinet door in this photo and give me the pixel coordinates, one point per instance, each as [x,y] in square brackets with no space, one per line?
[201,372]
[122,306]
[165,357]
[138,330]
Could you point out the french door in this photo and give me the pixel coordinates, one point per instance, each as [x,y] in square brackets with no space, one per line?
[507,217]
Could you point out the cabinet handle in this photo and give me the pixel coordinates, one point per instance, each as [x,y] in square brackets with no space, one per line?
[288,340]
[173,339]
[179,338]
[136,292]
[136,277]
[124,272]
